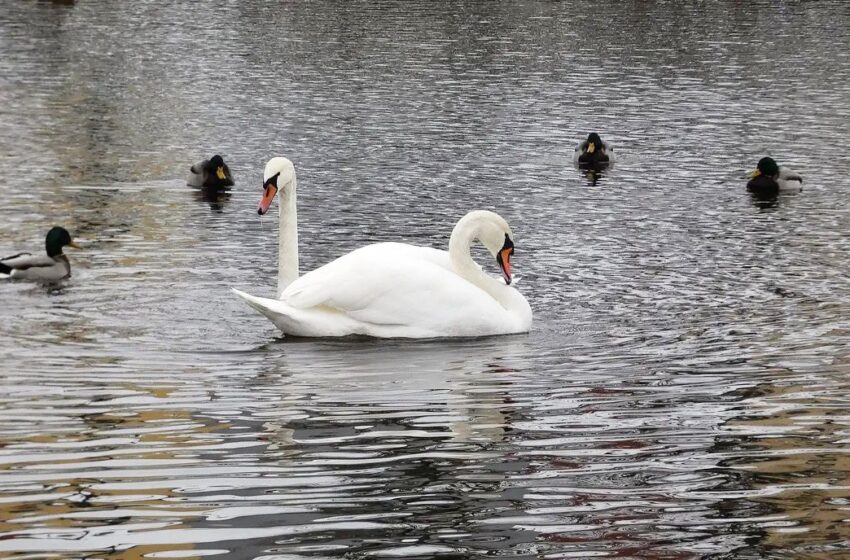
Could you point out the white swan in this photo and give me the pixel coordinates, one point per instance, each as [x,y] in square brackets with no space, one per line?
[392,290]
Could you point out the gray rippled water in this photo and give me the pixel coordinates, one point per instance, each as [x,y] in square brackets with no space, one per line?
[683,392]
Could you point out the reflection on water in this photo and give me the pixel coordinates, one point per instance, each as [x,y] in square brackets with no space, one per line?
[765,202]
[681,395]
[216,198]
[593,172]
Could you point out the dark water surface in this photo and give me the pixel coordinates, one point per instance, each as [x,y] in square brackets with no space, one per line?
[683,393]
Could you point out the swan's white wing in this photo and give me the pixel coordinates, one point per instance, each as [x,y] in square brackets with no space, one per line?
[393,284]
[314,321]
[340,282]
[385,290]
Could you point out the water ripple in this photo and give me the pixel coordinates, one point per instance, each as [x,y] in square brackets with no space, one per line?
[683,391]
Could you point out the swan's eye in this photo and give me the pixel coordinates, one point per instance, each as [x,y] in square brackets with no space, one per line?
[508,244]
[271,181]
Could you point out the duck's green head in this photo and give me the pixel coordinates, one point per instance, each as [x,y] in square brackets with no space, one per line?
[766,166]
[57,238]
[216,165]
[593,142]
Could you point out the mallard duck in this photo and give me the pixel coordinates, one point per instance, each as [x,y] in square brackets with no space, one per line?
[211,173]
[44,268]
[768,178]
[593,151]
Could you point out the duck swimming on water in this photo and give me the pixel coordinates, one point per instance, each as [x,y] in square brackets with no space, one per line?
[42,268]
[211,173]
[770,179]
[593,151]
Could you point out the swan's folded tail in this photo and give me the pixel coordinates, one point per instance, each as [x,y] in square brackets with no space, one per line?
[316,321]
[263,305]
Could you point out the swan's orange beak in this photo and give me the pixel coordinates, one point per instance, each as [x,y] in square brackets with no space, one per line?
[505,264]
[266,201]
[503,257]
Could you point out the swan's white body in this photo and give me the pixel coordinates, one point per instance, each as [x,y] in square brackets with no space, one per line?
[390,290]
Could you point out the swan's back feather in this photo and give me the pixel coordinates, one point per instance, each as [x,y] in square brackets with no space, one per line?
[340,282]
[388,290]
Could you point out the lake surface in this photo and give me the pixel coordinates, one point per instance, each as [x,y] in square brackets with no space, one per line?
[684,390]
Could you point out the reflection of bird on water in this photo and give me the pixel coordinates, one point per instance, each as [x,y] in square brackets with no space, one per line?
[43,268]
[392,289]
[765,202]
[769,179]
[214,197]
[593,152]
[593,173]
[211,173]
[467,380]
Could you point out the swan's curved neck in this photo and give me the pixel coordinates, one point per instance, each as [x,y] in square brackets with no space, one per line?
[287,268]
[463,265]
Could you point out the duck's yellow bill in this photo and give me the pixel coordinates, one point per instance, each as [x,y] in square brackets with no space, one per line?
[220,173]
[74,245]
[591,147]
[755,173]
